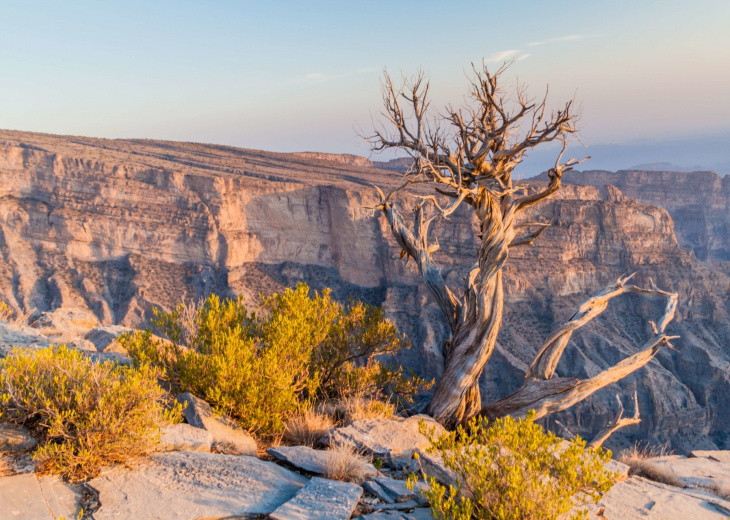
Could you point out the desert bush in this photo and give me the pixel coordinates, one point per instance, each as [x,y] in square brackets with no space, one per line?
[305,429]
[84,414]
[514,470]
[638,459]
[345,464]
[263,368]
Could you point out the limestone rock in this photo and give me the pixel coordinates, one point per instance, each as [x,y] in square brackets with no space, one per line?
[184,437]
[416,514]
[226,433]
[62,499]
[696,472]
[377,490]
[716,455]
[21,497]
[15,438]
[105,338]
[308,459]
[392,440]
[399,492]
[321,499]
[18,335]
[66,320]
[638,498]
[192,485]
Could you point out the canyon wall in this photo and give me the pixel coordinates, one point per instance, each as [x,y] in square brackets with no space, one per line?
[698,202]
[121,226]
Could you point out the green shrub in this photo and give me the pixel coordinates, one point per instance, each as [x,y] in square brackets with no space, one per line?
[263,368]
[84,414]
[514,470]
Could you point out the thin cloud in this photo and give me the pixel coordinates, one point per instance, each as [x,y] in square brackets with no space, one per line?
[524,56]
[501,56]
[567,38]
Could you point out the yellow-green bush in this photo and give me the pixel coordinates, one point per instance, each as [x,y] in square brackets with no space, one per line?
[513,470]
[84,414]
[262,368]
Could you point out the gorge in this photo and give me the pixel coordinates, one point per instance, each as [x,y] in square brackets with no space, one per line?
[120,226]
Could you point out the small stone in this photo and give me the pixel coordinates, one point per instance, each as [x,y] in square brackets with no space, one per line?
[321,499]
[184,437]
[399,506]
[416,514]
[308,459]
[400,493]
[232,438]
[15,438]
[376,489]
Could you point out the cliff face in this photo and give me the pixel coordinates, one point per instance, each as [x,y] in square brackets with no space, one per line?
[698,202]
[121,226]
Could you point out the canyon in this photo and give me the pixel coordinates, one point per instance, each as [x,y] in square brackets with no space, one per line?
[118,227]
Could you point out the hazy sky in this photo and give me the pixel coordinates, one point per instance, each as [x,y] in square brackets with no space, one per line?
[295,75]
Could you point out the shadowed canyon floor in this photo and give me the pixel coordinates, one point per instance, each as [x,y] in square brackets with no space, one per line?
[120,226]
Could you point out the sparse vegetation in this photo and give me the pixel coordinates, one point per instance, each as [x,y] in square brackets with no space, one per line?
[84,414]
[15,318]
[513,470]
[305,429]
[354,408]
[638,459]
[263,369]
[346,464]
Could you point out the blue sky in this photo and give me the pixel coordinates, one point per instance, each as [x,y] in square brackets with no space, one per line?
[291,76]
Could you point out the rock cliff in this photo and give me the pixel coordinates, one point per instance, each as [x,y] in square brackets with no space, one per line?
[120,226]
[697,201]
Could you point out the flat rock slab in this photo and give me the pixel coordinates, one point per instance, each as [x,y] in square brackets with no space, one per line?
[15,438]
[417,514]
[226,433]
[308,459]
[638,498]
[24,497]
[183,437]
[21,498]
[399,492]
[392,440]
[702,472]
[716,455]
[193,485]
[321,499]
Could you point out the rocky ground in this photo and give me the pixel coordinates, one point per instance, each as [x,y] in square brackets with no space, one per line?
[190,477]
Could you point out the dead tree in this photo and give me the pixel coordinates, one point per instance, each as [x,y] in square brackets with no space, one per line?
[467,156]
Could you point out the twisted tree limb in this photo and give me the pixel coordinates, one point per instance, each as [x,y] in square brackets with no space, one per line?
[619,422]
[546,394]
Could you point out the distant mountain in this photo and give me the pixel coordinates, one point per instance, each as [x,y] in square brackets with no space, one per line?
[710,153]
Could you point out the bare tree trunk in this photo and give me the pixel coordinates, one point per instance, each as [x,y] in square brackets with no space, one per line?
[619,422]
[471,162]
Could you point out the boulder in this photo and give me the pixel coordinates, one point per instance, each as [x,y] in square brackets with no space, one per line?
[19,335]
[15,438]
[192,485]
[184,437]
[105,339]
[391,440]
[229,437]
[321,499]
[308,459]
[61,320]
